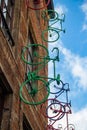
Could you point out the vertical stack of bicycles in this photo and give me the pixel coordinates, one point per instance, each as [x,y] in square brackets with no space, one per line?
[36,84]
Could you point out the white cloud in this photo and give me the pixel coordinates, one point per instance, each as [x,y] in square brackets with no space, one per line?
[79,119]
[76,65]
[61,9]
[84,9]
[84,27]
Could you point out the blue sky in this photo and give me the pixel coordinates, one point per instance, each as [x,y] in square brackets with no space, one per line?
[73,57]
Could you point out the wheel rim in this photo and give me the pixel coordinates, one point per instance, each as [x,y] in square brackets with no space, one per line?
[45,32]
[44,60]
[33,102]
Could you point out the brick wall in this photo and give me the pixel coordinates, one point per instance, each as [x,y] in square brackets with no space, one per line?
[14,69]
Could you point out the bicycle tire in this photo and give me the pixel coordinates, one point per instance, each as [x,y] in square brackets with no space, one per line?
[32,102]
[50,127]
[44,60]
[45,32]
[51,18]
[39,8]
[60,114]
[46,108]
[58,89]
[70,127]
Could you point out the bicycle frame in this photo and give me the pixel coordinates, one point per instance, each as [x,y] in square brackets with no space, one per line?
[50,29]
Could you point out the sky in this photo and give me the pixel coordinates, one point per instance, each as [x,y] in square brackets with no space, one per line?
[72,66]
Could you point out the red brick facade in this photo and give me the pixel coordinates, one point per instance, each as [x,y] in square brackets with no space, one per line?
[14,114]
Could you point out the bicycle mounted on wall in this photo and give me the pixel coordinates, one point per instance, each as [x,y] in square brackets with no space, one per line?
[35,83]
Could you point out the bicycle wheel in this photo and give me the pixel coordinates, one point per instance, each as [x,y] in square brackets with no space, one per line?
[70,127]
[56,88]
[50,112]
[55,111]
[51,15]
[30,54]
[34,93]
[37,5]
[49,127]
[53,35]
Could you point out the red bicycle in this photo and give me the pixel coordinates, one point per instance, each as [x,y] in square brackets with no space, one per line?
[37,4]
